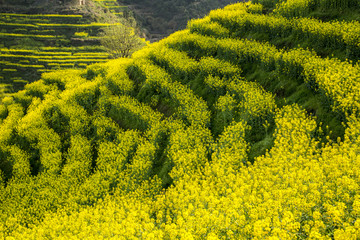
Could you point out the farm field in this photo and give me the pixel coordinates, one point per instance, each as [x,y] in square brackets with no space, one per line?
[112,6]
[245,125]
[35,43]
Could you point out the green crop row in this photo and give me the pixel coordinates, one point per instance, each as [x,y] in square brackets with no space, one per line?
[6,24]
[64,25]
[39,15]
[73,49]
[83,60]
[12,35]
[20,65]
[42,57]
[35,52]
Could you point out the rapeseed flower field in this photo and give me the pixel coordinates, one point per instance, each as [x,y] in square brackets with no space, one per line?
[206,134]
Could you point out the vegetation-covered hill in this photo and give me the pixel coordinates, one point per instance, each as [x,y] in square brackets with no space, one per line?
[243,126]
[41,35]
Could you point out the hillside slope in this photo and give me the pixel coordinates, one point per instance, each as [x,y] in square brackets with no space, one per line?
[160,18]
[230,129]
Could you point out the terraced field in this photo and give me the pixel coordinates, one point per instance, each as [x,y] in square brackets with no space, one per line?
[226,130]
[113,6]
[33,44]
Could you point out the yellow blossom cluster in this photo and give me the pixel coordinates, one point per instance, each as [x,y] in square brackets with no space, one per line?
[207,27]
[176,62]
[295,190]
[247,6]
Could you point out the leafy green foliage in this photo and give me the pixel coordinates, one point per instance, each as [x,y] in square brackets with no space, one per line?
[120,40]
